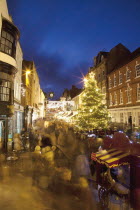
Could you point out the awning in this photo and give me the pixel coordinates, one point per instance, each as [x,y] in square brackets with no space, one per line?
[112,158]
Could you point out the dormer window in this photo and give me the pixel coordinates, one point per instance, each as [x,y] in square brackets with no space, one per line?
[102,57]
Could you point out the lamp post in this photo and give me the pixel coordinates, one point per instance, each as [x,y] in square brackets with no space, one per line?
[51,94]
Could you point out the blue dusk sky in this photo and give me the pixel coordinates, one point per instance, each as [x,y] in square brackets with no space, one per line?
[63,36]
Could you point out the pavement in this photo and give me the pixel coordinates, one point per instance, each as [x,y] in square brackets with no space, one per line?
[20,190]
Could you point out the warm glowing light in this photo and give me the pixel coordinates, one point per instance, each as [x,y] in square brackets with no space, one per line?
[85,79]
[90,110]
[28,72]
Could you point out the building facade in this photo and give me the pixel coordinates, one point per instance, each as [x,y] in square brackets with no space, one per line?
[106,62]
[18,108]
[9,36]
[124,93]
[33,98]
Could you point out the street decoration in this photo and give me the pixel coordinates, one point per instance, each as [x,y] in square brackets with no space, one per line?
[92,113]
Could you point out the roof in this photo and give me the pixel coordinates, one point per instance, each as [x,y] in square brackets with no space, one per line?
[112,158]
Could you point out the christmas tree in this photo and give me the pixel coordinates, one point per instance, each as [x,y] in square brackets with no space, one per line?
[92,113]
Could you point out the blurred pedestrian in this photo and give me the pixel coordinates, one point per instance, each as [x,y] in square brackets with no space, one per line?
[81,166]
[17,142]
[32,142]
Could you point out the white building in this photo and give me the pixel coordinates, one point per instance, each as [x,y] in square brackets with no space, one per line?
[9,35]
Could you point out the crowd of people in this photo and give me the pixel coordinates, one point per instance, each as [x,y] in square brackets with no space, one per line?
[61,162]
[61,158]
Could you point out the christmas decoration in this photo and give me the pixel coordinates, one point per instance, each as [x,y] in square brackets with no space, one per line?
[92,113]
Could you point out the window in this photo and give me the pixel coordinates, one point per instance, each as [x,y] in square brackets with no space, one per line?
[115,98]
[115,82]
[9,37]
[121,97]
[128,94]
[138,92]
[139,118]
[110,100]
[121,117]
[128,74]
[6,43]
[110,83]
[120,78]
[137,68]
[5,89]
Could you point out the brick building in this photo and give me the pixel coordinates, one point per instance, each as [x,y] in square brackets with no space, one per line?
[105,62]
[124,91]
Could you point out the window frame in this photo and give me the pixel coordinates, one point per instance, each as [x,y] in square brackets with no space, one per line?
[120,78]
[129,96]
[115,98]
[11,30]
[115,81]
[110,83]
[7,43]
[138,92]
[5,90]
[121,97]
[137,75]
[110,101]
[128,74]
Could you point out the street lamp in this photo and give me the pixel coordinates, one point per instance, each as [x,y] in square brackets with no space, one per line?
[28,72]
[51,94]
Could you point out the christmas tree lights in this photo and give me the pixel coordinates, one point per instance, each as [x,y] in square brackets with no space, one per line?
[92,113]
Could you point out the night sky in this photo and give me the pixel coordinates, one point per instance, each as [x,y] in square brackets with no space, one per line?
[63,36]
